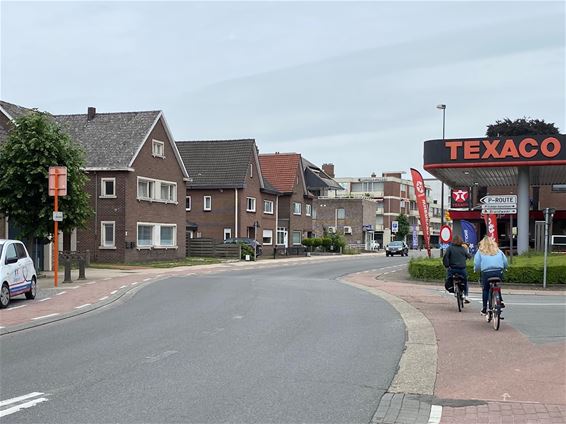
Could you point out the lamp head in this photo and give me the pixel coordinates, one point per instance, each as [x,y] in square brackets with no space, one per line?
[441,107]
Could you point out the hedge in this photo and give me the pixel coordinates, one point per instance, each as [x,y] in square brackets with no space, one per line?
[518,273]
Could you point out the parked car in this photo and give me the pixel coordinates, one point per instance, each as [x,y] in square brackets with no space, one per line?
[17,273]
[397,248]
[249,241]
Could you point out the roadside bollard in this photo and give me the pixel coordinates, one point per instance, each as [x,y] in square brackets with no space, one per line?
[82,275]
[67,279]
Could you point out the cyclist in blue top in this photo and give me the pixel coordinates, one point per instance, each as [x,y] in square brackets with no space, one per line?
[491,261]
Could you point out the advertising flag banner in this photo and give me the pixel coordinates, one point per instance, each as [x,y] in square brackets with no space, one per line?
[469,236]
[491,226]
[420,193]
[415,237]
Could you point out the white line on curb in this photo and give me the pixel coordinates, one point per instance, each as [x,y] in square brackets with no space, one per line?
[43,300]
[103,298]
[45,316]
[83,306]
[135,282]
[59,294]
[122,287]
[435,414]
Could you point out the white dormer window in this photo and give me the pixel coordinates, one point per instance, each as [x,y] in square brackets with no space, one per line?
[250,204]
[251,171]
[108,187]
[158,148]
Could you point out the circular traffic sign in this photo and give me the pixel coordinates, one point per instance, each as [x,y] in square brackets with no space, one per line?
[445,234]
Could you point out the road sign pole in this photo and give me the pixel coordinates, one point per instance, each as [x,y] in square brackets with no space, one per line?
[56,232]
[511,239]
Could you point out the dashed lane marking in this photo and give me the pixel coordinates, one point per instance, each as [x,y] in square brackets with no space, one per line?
[59,294]
[106,279]
[135,282]
[83,306]
[45,316]
[103,298]
[20,406]
[92,282]
[16,307]
[146,279]
[114,292]
[123,287]
[43,300]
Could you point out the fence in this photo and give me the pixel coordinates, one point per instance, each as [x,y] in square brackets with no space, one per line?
[206,247]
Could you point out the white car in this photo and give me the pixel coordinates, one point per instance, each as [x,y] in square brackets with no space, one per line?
[17,273]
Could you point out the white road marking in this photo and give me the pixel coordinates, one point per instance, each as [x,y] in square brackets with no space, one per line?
[189,274]
[92,282]
[146,279]
[135,282]
[45,316]
[160,356]
[16,307]
[106,279]
[43,300]
[74,288]
[123,287]
[114,292]
[237,317]
[63,292]
[83,306]
[435,414]
[103,298]
[21,406]
[19,398]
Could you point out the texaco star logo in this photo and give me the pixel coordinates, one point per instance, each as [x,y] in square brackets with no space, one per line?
[460,195]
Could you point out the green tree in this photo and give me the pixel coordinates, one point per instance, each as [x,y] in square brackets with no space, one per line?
[33,145]
[522,126]
[403,229]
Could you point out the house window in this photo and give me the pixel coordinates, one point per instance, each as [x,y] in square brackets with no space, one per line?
[156,235]
[145,235]
[267,237]
[145,189]
[297,237]
[308,210]
[168,192]
[108,187]
[227,233]
[188,203]
[157,190]
[340,213]
[107,234]
[268,207]
[158,148]
[167,235]
[207,203]
[297,208]
[558,187]
[250,204]
[282,236]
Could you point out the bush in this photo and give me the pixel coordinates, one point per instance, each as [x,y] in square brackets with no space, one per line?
[524,270]
[246,250]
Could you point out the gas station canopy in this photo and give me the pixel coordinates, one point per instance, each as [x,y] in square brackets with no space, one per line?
[497,161]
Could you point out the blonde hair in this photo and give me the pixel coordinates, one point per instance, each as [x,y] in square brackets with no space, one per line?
[488,246]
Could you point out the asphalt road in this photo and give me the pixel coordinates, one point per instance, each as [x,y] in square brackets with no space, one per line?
[285,344]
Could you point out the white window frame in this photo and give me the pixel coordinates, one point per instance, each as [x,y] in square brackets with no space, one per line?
[250,204]
[156,242]
[188,201]
[103,193]
[308,209]
[103,244]
[297,208]
[205,198]
[158,149]
[266,209]
[269,237]
[300,237]
[154,190]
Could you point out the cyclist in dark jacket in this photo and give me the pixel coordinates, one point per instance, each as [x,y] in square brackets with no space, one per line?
[455,260]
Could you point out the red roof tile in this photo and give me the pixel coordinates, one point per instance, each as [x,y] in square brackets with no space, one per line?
[281,169]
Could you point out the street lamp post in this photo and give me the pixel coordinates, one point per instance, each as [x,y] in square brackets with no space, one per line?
[443,108]
[256,225]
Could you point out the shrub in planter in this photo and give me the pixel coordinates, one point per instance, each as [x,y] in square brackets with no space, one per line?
[246,250]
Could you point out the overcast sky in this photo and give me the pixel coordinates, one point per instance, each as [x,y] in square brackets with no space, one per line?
[352,83]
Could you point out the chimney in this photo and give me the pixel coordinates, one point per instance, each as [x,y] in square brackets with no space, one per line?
[328,168]
[373,175]
[91,112]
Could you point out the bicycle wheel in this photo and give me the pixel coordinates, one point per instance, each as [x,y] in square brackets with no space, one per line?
[496,312]
[457,295]
[489,308]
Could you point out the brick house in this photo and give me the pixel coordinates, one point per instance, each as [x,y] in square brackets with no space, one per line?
[137,184]
[136,177]
[228,193]
[285,172]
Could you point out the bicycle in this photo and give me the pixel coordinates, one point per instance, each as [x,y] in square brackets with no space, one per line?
[494,303]
[458,281]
